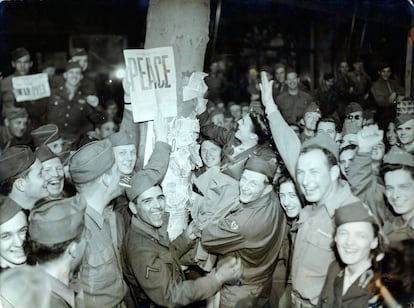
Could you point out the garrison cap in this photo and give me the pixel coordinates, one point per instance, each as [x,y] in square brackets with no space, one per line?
[140,182]
[19,53]
[258,164]
[323,141]
[122,138]
[402,118]
[397,156]
[71,65]
[15,113]
[354,212]
[57,221]
[312,107]
[91,161]
[45,134]
[353,107]
[15,160]
[8,209]
[43,153]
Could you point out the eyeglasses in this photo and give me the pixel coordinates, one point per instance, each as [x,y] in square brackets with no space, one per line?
[356,117]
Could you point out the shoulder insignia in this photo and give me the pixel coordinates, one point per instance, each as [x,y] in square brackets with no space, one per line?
[150,269]
[234,225]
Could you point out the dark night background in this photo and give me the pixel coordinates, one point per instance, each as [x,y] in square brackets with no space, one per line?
[325,31]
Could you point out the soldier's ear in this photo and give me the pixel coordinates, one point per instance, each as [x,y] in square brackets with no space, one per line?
[132,207]
[6,122]
[335,172]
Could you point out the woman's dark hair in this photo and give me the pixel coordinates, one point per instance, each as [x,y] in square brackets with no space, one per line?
[260,127]
[397,271]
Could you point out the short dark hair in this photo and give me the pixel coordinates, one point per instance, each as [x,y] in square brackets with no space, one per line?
[385,168]
[330,158]
[328,120]
[346,148]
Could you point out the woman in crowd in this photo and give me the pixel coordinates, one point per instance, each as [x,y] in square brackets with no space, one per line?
[359,246]
[251,136]
[291,203]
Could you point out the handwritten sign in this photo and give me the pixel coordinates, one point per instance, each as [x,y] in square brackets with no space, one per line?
[31,87]
[152,82]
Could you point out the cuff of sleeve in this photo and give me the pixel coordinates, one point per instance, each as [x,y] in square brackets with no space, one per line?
[271,108]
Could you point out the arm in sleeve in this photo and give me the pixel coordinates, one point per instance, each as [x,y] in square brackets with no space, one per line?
[212,131]
[361,177]
[156,277]
[223,237]
[286,140]
[158,163]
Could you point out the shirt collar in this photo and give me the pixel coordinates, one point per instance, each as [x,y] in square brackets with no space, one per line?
[95,216]
[337,198]
[144,228]
[62,290]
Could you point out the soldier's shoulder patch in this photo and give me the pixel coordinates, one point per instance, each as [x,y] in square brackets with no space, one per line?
[150,269]
[234,225]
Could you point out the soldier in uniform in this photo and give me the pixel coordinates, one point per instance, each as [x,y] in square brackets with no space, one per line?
[70,109]
[358,242]
[253,231]
[58,242]
[21,174]
[13,229]
[152,262]
[15,130]
[96,177]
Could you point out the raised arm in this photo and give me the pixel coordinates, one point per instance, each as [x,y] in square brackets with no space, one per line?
[286,140]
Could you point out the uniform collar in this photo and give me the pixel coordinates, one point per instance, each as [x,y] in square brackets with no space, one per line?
[62,290]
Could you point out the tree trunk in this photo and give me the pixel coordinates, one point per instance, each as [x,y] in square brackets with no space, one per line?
[184,25]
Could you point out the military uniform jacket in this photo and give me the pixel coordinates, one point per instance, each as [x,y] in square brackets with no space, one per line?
[73,117]
[253,232]
[313,253]
[101,272]
[61,295]
[293,107]
[152,268]
[355,296]
[396,229]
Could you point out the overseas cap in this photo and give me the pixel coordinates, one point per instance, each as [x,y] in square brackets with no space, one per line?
[57,221]
[322,141]
[45,134]
[72,64]
[19,53]
[312,107]
[8,209]
[15,113]
[402,118]
[257,164]
[15,160]
[397,156]
[79,52]
[122,138]
[91,161]
[43,153]
[140,182]
[354,212]
[353,107]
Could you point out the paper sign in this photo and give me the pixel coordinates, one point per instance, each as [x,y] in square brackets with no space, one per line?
[31,87]
[152,79]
